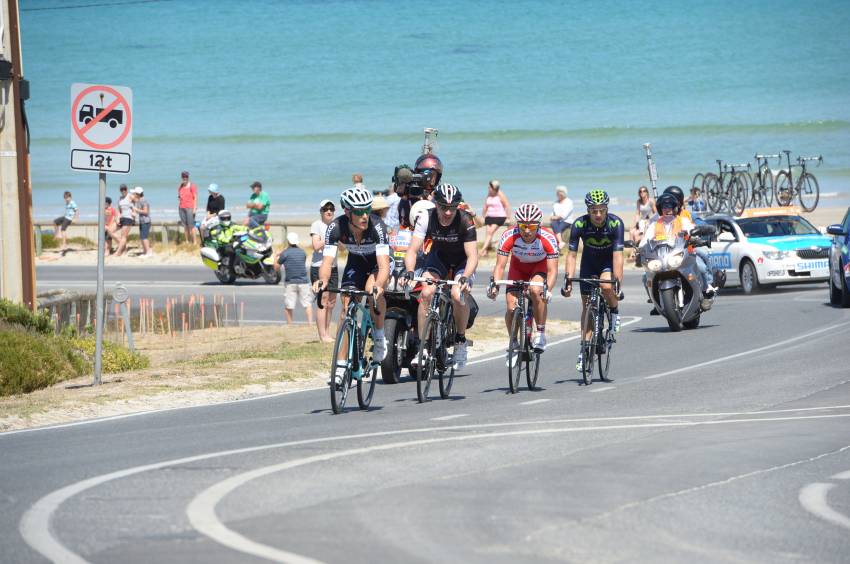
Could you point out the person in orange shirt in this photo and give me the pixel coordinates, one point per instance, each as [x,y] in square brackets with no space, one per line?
[187,200]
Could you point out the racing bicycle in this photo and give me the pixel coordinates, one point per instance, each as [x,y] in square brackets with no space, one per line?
[436,339]
[352,363]
[727,190]
[805,188]
[598,349]
[762,181]
[521,355]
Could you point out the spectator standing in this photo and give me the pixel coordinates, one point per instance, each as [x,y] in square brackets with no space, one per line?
[380,207]
[71,214]
[357,180]
[562,215]
[296,286]
[393,200]
[215,203]
[317,234]
[696,203]
[126,219]
[258,205]
[495,211]
[110,225]
[644,210]
[187,201]
[143,218]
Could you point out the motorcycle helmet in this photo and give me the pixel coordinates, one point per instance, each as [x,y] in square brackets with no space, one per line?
[597,197]
[355,198]
[528,213]
[224,218]
[447,195]
[678,193]
[429,162]
[668,200]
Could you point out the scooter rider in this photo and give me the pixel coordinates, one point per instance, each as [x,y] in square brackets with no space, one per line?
[602,233]
[454,253]
[368,266]
[534,253]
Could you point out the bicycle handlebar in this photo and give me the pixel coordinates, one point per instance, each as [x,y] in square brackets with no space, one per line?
[740,165]
[818,158]
[438,283]
[765,157]
[520,283]
[349,292]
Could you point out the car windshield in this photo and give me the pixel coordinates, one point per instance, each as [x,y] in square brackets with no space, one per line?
[776,226]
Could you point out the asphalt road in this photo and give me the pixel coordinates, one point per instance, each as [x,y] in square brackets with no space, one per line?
[726,443]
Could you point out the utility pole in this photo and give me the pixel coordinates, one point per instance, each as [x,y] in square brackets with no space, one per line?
[17,257]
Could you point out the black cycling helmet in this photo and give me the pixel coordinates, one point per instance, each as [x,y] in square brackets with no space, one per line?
[678,193]
[668,200]
[429,162]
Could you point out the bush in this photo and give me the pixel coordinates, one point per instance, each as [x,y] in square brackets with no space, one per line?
[30,361]
[18,314]
[116,358]
[50,241]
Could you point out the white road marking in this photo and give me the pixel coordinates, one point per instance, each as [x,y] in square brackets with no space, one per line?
[532,402]
[202,515]
[449,417]
[813,498]
[34,526]
[748,352]
[605,389]
[842,476]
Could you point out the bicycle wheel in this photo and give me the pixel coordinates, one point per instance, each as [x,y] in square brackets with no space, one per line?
[712,191]
[447,374]
[339,390]
[366,383]
[766,187]
[738,193]
[604,350]
[783,189]
[425,368]
[532,368]
[699,178]
[516,346]
[809,191]
[589,363]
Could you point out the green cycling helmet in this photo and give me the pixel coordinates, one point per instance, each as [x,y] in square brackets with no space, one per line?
[597,197]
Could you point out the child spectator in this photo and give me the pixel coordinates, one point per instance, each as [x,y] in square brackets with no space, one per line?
[143,216]
[296,284]
[62,223]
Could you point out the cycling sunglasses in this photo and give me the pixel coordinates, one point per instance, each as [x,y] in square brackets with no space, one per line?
[362,211]
[529,226]
[446,208]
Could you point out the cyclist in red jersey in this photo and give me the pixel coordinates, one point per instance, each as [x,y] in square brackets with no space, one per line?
[534,253]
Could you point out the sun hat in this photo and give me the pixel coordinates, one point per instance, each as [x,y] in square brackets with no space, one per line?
[323,203]
[379,203]
[293,238]
[138,190]
[214,189]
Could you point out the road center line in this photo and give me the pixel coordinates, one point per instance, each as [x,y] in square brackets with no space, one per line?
[747,352]
[448,417]
[605,389]
[532,402]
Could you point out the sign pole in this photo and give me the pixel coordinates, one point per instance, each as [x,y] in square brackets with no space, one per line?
[650,167]
[101,247]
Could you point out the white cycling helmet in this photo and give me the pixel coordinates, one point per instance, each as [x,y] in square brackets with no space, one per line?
[447,195]
[528,213]
[419,208]
[355,198]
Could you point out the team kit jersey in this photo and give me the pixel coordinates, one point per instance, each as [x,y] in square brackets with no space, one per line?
[447,253]
[600,244]
[528,259]
[363,254]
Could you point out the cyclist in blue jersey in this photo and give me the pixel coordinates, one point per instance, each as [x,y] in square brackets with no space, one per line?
[602,257]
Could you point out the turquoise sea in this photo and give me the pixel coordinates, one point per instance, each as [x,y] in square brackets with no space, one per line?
[301,94]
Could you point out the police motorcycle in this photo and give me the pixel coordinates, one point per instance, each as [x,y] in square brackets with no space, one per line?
[236,251]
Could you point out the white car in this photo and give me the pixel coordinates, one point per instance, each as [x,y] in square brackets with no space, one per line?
[768,246]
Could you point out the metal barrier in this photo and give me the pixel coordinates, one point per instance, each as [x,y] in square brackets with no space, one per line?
[67,307]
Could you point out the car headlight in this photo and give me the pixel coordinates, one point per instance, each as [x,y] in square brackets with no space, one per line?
[675,261]
[775,255]
[654,265]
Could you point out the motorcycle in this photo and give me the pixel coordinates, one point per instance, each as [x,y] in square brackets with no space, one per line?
[247,255]
[673,280]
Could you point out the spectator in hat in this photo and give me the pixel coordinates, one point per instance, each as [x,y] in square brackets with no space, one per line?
[380,207]
[215,203]
[187,200]
[126,219]
[258,205]
[317,235]
[296,286]
[62,222]
[143,218]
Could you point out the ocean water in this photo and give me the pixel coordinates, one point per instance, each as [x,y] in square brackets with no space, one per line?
[301,94]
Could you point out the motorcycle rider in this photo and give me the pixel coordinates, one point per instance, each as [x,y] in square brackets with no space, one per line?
[453,253]
[225,233]
[602,257]
[368,266]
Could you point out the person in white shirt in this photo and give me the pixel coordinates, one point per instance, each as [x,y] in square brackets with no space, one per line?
[317,237]
[562,215]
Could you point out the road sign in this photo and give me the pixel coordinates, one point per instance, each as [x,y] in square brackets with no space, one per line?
[101,128]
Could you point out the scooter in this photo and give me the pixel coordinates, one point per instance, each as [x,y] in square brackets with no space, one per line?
[248,255]
[673,280]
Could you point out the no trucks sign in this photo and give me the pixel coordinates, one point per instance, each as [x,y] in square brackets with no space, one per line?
[101,128]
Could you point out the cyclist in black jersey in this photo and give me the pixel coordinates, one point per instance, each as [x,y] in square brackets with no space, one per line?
[454,253]
[602,257]
[368,266]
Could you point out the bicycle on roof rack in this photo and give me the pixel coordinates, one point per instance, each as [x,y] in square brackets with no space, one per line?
[805,188]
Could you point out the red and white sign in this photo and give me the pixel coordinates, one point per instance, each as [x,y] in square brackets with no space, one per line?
[101,128]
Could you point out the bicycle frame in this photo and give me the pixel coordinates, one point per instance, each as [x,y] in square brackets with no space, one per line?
[598,311]
[438,358]
[524,352]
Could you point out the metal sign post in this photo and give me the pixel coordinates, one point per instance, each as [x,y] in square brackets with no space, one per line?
[650,166]
[101,141]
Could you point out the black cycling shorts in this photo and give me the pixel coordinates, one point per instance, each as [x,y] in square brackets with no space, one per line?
[592,266]
[357,269]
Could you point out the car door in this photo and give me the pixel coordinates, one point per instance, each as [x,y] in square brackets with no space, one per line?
[723,252]
[840,253]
